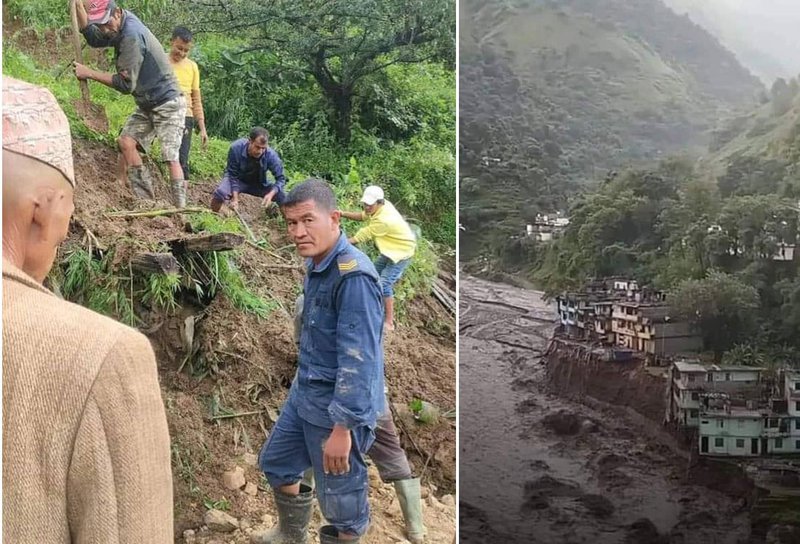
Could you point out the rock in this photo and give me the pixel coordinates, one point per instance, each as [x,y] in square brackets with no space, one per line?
[562,423]
[597,505]
[234,479]
[251,489]
[250,459]
[268,520]
[448,500]
[220,522]
[245,524]
[188,536]
[644,531]
[424,492]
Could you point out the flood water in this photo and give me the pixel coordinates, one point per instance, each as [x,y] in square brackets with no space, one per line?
[538,468]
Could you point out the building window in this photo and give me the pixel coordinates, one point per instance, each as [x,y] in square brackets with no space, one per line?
[727,376]
[695,396]
[778,443]
[772,423]
[797,424]
[710,377]
[797,405]
[691,377]
[693,414]
[740,442]
[719,442]
[797,444]
[720,423]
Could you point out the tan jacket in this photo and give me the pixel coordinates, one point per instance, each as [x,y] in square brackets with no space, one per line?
[86,453]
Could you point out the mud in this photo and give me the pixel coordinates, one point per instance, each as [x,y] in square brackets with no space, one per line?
[244,365]
[536,467]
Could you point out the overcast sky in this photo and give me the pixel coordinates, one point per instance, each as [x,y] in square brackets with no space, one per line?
[764,34]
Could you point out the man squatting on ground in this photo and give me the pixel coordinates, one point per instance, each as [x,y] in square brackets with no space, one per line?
[394,238]
[144,71]
[329,417]
[249,160]
[76,466]
[388,456]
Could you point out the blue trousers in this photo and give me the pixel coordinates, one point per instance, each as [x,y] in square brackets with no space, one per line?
[390,272]
[294,445]
[224,190]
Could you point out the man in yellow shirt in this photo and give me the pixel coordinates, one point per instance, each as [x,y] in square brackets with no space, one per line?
[394,238]
[188,76]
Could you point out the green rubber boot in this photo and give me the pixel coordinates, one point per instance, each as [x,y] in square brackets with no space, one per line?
[410,497]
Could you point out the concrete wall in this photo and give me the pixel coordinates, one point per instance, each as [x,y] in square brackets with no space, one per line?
[734,436]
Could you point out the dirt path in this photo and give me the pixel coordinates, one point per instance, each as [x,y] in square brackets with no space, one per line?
[536,468]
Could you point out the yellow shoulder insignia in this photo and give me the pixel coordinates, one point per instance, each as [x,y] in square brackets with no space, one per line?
[347,266]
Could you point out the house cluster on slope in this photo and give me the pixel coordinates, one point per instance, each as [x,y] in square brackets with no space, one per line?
[617,312]
[736,410]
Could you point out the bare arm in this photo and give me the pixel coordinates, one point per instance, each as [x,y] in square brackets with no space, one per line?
[355,216]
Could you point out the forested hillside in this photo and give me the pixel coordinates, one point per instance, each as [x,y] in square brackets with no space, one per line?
[556,94]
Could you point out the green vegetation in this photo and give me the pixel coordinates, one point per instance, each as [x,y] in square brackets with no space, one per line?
[396,71]
[558,93]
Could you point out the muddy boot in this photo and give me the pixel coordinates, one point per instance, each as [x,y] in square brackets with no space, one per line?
[294,515]
[140,183]
[328,534]
[179,193]
[409,495]
[308,478]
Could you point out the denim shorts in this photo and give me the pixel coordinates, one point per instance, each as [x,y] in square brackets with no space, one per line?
[390,272]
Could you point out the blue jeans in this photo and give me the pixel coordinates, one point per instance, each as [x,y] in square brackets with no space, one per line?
[294,445]
[390,272]
[224,190]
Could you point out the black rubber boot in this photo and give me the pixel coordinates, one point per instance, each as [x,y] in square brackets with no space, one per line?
[140,183]
[294,515]
[328,534]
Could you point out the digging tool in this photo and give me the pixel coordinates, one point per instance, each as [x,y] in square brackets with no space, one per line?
[93,115]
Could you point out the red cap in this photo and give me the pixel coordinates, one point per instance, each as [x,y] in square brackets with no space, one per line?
[99,11]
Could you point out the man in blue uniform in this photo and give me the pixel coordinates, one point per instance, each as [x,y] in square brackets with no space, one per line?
[329,418]
[249,160]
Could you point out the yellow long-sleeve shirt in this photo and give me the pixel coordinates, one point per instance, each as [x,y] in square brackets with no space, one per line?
[391,233]
[188,76]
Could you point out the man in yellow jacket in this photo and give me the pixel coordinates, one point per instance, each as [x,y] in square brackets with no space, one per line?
[86,454]
[393,237]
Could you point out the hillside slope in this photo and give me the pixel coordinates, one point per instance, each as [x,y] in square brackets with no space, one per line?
[222,330]
[554,94]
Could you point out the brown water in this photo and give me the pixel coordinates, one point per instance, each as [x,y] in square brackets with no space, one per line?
[537,468]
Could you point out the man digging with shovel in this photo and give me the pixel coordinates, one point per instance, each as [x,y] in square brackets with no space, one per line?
[144,71]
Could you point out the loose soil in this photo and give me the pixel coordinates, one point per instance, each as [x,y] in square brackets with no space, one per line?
[252,362]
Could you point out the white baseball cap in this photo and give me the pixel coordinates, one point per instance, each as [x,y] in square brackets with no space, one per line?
[372,194]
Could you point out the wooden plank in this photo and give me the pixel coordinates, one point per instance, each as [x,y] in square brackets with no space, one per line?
[155,263]
[221,241]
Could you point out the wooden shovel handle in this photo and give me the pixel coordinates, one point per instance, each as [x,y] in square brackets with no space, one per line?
[76,43]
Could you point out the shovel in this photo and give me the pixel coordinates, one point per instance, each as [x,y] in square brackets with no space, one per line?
[93,115]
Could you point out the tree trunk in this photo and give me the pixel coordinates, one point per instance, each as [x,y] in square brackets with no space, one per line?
[341,100]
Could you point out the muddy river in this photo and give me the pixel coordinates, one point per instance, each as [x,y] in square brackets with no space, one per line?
[538,468]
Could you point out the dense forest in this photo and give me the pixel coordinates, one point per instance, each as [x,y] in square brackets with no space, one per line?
[556,94]
[702,201]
